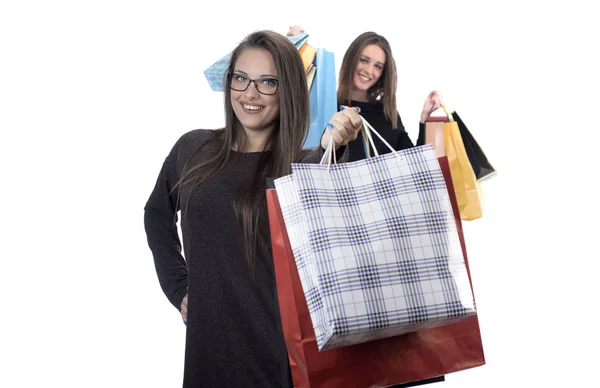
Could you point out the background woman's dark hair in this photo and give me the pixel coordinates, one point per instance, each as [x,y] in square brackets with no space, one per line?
[384,90]
[283,146]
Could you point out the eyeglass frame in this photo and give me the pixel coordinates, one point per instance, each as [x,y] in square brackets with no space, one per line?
[230,79]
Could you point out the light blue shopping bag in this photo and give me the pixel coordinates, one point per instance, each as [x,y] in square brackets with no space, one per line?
[215,74]
[323,97]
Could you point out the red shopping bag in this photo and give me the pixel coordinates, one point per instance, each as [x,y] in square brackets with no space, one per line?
[410,357]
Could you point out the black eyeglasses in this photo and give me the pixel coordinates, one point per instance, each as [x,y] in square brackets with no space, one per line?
[265,85]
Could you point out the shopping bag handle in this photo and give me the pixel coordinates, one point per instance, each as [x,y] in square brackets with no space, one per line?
[367,139]
[368,128]
[327,155]
[450,118]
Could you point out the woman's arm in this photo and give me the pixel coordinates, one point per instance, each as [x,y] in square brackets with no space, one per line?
[160,221]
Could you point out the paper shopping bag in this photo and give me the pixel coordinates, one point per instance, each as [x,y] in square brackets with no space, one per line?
[396,360]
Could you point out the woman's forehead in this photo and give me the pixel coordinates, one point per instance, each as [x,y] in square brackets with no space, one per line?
[256,62]
[374,52]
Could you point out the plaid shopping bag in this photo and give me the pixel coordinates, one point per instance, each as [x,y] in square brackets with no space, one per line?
[421,357]
[376,247]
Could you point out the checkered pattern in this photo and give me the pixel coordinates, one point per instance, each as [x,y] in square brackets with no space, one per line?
[376,247]
[215,74]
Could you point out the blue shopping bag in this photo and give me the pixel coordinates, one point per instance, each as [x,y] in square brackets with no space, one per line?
[323,97]
[215,74]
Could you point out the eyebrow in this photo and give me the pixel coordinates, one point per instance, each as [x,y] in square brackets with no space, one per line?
[261,76]
[369,58]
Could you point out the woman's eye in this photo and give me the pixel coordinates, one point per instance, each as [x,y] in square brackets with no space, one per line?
[269,82]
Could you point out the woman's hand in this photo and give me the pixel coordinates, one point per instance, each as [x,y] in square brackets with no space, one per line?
[343,127]
[184,308]
[295,30]
[432,103]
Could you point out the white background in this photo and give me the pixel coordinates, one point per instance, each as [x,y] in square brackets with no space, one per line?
[93,94]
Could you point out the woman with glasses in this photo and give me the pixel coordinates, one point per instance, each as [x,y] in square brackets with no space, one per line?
[225,287]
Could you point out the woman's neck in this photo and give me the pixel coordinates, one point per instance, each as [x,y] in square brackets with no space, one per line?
[256,140]
[359,95]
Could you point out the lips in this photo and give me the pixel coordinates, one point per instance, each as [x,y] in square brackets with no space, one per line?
[251,108]
[363,78]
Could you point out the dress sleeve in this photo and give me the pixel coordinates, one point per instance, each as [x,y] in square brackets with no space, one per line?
[160,221]
[421,138]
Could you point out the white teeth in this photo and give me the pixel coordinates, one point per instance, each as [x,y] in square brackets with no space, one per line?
[252,107]
[364,78]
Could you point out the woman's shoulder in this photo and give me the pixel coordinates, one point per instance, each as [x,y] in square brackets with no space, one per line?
[191,141]
[196,137]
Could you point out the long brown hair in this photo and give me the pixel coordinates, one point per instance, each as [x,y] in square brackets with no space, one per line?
[284,144]
[384,90]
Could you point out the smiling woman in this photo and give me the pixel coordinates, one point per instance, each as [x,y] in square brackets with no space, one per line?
[225,287]
[255,107]
[368,80]
[369,69]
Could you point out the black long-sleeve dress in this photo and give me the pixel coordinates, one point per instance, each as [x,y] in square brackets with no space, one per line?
[234,336]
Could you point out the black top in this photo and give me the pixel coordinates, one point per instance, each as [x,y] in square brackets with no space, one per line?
[234,336]
[397,138]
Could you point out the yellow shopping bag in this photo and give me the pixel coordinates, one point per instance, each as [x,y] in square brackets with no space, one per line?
[447,141]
